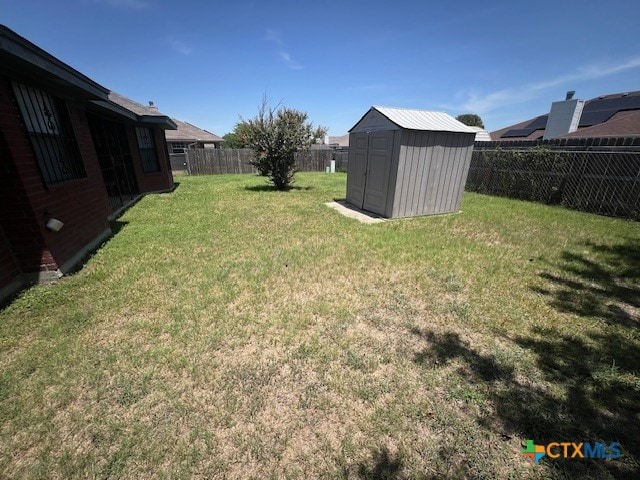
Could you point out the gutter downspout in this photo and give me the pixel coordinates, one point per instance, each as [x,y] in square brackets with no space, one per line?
[188,161]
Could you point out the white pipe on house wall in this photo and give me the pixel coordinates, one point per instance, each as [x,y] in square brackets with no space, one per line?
[54,224]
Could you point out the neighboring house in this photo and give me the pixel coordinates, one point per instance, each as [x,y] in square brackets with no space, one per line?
[339,142]
[616,115]
[186,134]
[481,134]
[335,143]
[72,154]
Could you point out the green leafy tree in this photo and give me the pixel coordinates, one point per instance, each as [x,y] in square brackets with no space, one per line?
[276,135]
[470,119]
[238,138]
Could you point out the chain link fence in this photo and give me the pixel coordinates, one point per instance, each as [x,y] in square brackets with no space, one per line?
[603,182]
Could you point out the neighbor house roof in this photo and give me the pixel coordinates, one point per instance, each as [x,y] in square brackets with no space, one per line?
[422,120]
[621,124]
[533,135]
[341,141]
[614,115]
[190,133]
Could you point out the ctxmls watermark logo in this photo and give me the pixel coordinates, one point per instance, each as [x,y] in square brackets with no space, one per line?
[571,450]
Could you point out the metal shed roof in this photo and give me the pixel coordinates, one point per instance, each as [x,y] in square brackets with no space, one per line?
[423,120]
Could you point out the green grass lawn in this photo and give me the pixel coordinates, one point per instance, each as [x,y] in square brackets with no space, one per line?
[232,331]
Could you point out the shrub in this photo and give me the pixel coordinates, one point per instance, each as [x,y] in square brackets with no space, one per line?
[275,135]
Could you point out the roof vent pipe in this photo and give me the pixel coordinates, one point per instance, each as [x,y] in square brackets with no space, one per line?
[570,94]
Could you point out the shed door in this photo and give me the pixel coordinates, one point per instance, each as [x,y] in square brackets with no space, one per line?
[357,168]
[378,168]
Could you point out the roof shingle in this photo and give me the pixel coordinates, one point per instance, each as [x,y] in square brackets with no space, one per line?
[134,106]
[190,133]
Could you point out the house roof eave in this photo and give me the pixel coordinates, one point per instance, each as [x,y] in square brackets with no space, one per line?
[19,53]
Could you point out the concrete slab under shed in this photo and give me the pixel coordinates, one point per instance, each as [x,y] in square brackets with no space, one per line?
[350,211]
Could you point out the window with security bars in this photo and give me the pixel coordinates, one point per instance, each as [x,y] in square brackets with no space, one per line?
[178,147]
[47,122]
[147,148]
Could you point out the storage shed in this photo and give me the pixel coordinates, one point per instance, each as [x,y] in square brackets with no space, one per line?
[406,162]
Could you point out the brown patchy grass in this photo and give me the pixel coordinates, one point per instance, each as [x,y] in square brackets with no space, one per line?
[226,332]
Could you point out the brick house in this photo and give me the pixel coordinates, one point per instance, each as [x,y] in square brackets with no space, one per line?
[72,151]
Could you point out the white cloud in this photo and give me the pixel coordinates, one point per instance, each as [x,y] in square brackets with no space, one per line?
[179,46]
[483,103]
[274,36]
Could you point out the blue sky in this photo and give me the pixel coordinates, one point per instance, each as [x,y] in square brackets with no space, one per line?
[209,62]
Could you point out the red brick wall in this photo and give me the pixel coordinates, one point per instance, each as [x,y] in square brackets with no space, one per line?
[81,204]
[150,182]
[16,215]
[9,270]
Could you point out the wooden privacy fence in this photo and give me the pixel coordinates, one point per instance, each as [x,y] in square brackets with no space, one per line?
[342,159]
[603,182]
[209,161]
[178,161]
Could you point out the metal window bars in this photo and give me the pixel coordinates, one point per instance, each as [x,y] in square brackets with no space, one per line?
[47,123]
[147,148]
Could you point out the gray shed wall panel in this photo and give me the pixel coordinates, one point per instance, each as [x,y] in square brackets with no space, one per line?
[431,166]
[393,175]
[427,139]
[462,167]
[416,144]
[465,163]
[450,194]
[435,149]
[448,162]
[457,164]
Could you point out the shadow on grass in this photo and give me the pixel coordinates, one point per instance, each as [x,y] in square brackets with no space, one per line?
[384,465]
[584,384]
[117,226]
[602,281]
[271,188]
[587,393]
